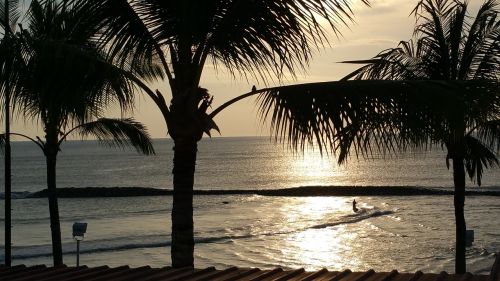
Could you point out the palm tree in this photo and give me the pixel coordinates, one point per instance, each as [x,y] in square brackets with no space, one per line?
[65,83]
[257,38]
[449,46]
[109,131]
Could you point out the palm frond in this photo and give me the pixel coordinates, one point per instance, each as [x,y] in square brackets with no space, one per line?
[489,133]
[263,37]
[399,63]
[456,24]
[432,31]
[485,54]
[69,81]
[129,38]
[480,38]
[118,133]
[10,13]
[12,62]
[258,37]
[477,158]
[370,115]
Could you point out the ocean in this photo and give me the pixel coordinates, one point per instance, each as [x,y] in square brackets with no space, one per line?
[407,233]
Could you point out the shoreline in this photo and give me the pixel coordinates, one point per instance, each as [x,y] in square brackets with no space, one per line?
[303,191]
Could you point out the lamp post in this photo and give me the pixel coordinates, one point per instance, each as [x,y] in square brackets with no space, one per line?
[79,229]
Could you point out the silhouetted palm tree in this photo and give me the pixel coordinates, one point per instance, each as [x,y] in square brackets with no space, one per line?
[260,38]
[448,45]
[65,83]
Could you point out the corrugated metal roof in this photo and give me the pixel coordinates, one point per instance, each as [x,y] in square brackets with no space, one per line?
[146,273]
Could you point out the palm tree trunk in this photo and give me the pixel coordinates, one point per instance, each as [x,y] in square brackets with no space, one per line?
[55,227]
[182,251]
[459,201]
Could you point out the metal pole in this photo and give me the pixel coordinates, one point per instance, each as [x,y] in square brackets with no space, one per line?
[7,176]
[8,196]
[77,253]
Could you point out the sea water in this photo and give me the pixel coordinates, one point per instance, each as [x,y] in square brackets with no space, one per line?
[392,232]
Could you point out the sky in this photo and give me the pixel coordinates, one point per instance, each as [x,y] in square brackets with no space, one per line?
[376,28]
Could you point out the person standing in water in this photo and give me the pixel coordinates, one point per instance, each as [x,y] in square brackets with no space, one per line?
[354,208]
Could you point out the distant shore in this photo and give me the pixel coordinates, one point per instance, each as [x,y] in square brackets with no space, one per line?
[295,191]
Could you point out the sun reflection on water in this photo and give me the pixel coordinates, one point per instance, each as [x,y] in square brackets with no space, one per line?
[311,168]
[318,248]
[314,233]
[314,246]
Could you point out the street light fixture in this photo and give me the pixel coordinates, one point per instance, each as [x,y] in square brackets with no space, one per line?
[79,229]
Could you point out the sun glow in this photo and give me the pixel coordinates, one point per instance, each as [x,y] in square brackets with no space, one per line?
[311,168]
[320,242]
